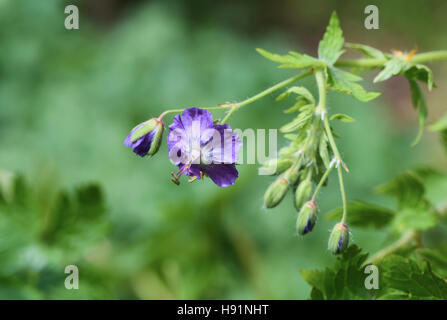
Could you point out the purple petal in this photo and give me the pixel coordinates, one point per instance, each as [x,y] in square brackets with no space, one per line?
[223,147]
[201,116]
[223,175]
[142,145]
[189,131]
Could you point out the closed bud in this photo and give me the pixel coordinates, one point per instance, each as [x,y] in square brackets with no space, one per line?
[339,239]
[292,175]
[303,193]
[276,192]
[145,139]
[276,166]
[306,218]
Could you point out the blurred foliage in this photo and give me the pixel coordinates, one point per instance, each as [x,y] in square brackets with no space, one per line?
[69,98]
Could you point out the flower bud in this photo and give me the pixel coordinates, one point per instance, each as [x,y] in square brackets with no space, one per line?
[145,139]
[339,239]
[276,192]
[306,218]
[292,175]
[303,193]
[276,166]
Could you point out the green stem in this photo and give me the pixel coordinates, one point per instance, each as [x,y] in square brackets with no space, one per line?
[321,83]
[320,184]
[374,63]
[236,106]
[403,241]
[181,110]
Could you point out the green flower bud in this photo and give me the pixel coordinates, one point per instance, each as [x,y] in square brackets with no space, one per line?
[276,192]
[306,218]
[145,139]
[339,239]
[292,175]
[276,166]
[303,193]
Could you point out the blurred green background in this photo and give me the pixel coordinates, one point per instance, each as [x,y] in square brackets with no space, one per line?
[69,98]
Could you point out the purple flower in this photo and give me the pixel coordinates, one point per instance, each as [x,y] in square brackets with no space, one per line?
[199,147]
[145,138]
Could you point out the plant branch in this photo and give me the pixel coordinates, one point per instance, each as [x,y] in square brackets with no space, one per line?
[236,106]
[321,83]
[403,241]
[375,63]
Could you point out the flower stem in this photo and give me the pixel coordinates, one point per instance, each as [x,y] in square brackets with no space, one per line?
[321,83]
[236,106]
[406,238]
[320,184]
[374,63]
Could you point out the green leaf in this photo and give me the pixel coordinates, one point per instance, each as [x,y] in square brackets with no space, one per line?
[342,117]
[301,103]
[440,125]
[437,257]
[291,60]
[416,282]
[407,188]
[69,215]
[345,82]
[330,47]
[344,280]
[362,214]
[419,104]
[368,51]
[435,183]
[422,217]
[420,72]
[393,67]
[300,91]
[300,121]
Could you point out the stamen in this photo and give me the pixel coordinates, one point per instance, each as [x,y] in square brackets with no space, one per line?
[176,176]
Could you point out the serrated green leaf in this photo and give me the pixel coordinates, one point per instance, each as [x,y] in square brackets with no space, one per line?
[292,60]
[420,105]
[301,103]
[303,92]
[345,82]
[437,257]
[344,280]
[362,214]
[330,47]
[407,188]
[422,217]
[368,51]
[301,120]
[417,282]
[393,67]
[420,72]
[342,117]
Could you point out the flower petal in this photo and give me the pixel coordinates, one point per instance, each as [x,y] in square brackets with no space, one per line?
[223,175]
[142,145]
[223,147]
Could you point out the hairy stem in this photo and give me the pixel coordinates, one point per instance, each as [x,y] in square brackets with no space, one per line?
[321,83]
[320,184]
[374,63]
[236,106]
[403,241]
